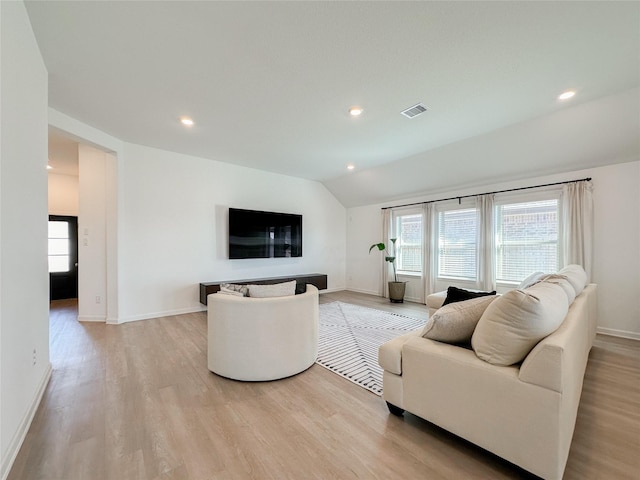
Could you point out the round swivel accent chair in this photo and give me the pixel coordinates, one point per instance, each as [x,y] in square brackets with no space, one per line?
[258,339]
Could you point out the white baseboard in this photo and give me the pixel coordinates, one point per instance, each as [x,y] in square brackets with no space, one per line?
[377,294]
[331,290]
[21,433]
[618,333]
[414,300]
[368,292]
[92,318]
[166,313]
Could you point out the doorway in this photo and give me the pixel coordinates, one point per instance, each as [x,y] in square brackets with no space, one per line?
[63,257]
[81,172]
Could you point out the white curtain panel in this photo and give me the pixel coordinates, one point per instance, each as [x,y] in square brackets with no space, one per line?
[386,266]
[428,267]
[486,243]
[577,212]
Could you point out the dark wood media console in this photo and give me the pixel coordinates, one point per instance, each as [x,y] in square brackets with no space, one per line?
[317,279]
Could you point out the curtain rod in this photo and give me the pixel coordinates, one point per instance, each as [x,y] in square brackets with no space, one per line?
[460,197]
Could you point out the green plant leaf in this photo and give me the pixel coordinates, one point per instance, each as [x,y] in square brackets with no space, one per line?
[380,246]
[390,259]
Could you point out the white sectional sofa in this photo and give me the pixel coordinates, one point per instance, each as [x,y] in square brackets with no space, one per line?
[524,413]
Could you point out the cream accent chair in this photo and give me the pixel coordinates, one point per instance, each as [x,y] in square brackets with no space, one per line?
[258,339]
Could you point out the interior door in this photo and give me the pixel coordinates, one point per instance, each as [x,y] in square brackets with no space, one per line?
[63,257]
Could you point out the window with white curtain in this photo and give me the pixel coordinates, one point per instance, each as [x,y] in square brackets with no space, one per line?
[408,231]
[457,234]
[526,238]
[517,234]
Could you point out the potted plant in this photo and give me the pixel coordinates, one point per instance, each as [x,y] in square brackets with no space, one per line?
[396,288]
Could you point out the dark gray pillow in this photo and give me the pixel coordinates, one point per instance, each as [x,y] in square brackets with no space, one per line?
[455,294]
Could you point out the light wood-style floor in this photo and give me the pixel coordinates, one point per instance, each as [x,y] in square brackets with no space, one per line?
[136,401]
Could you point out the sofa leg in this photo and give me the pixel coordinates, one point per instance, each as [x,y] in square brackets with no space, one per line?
[397,411]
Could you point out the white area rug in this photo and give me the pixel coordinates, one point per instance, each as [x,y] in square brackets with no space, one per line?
[349,337]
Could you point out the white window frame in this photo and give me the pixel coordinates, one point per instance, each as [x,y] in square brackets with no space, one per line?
[395,234]
[525,197]
[59,255]
[464,204]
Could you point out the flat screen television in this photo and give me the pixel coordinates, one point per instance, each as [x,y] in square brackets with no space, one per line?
[256,234]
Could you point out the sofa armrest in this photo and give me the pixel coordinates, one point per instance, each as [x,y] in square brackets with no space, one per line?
[435,301]
[558,361]
[543,367]
[390,353]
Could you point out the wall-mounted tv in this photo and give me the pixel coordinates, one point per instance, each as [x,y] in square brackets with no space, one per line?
[255,234]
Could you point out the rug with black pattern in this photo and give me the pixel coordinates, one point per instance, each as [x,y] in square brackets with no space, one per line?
[349,337]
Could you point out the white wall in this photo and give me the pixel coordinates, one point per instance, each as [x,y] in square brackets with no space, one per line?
[166,225]
[364,270]
[24,287]
[63,194]
[174,228]
[616,267]
[92,234]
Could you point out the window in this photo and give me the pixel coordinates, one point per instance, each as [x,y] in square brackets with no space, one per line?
[457,243]
[526,236]
[59,254]
[408,231]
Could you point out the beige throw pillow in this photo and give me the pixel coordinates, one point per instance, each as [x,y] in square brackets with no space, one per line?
[531,280]
[455,322]
[563,282]
[227,291]
[576,276]
[276,290]
[512,325]
[233,287]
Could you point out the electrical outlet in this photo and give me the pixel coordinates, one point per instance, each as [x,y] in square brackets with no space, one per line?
[98,299]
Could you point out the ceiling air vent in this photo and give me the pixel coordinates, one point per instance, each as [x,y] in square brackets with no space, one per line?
[414,111]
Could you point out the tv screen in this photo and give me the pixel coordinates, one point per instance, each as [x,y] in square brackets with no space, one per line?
[255,234]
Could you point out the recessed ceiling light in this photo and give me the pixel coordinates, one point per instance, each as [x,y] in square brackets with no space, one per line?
[351,166]
[566,95]
[186,121]
[355,111]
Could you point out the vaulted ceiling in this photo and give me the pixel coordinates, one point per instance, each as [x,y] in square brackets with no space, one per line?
[269,84]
